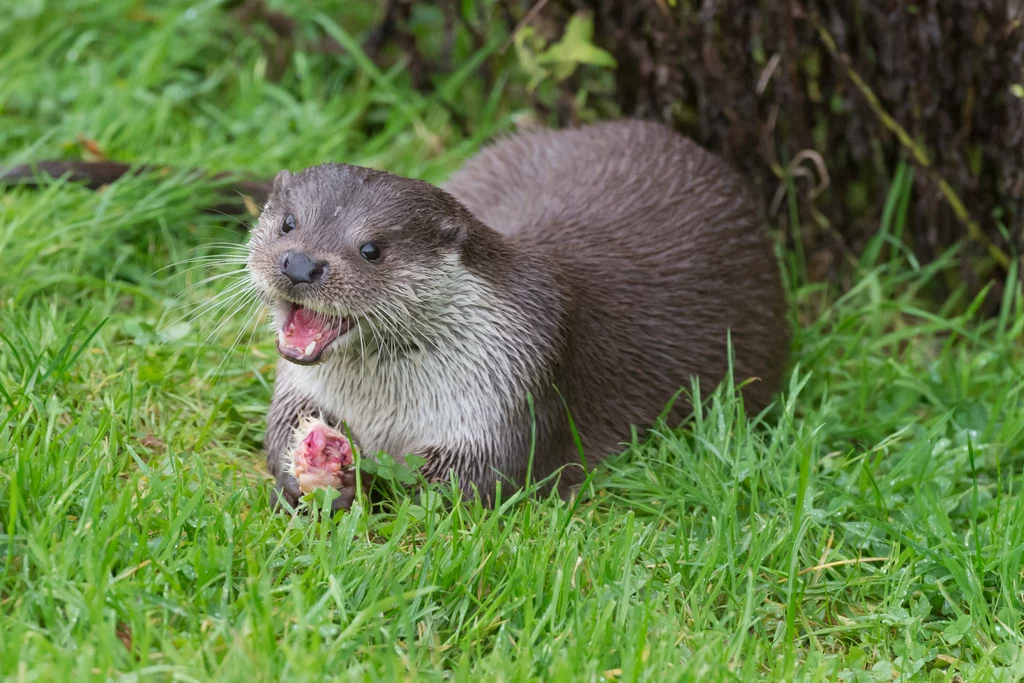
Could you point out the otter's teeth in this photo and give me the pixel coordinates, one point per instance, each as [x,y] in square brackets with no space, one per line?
[319,336]
[281,338]
[310,349]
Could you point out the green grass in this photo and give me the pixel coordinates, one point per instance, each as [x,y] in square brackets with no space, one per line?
[871,528]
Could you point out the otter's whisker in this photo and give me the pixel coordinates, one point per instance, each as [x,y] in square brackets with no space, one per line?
[211,306]
[388,336]
[405,327]
[256,319]
[246,302]
[248,315]
[227,250]
[255,326]
[362,346]
[203,307]
[236,219]
[391,326]
[207,261]
[212,278]
[240,272]
[227,245]
[228,307]
[378,334]
[241,289]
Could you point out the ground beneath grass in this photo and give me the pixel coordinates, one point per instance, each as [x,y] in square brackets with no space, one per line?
[870,528]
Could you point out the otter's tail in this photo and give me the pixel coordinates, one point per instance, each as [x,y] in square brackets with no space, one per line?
[246,193]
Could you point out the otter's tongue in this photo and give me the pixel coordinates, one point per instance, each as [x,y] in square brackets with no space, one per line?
[305,334]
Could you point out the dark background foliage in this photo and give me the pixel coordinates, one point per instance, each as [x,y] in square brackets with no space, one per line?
[762,82]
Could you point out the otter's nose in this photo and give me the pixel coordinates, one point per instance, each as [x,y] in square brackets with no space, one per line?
[300,268]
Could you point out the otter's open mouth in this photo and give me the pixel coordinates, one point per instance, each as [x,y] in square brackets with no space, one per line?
[306,334]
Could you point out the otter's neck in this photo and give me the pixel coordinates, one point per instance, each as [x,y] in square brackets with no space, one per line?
[499,310]
[521,294]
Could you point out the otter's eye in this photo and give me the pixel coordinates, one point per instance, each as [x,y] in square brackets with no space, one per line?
[370,251]
[289,223]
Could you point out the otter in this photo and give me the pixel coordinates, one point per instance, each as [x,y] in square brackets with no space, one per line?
[575,279]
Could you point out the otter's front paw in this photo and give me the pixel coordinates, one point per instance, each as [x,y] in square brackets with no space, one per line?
[286,489]
[321,457]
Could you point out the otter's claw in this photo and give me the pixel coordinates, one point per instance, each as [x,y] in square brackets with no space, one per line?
[286,490]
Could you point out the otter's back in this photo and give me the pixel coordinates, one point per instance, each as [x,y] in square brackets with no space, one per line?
[661,242]
[601,179]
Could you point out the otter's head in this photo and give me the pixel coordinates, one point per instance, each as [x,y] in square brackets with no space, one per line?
[348,257]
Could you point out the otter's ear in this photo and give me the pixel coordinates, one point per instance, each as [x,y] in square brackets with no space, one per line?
[453,230]
[281,180]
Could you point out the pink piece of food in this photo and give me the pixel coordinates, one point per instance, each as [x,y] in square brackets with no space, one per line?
[320,456]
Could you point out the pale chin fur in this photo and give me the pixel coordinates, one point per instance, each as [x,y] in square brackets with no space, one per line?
[402,403]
